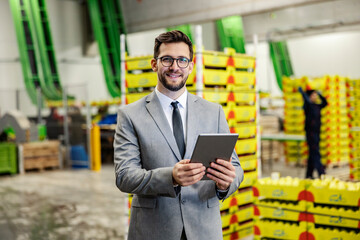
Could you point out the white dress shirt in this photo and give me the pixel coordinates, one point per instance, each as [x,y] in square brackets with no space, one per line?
[165,102]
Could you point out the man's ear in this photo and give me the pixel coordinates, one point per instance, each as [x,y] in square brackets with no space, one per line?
[154,65]
[191,67]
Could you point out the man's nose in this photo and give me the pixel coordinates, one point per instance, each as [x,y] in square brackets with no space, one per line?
[174,66]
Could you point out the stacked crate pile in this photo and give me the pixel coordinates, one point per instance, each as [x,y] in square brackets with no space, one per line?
[353,106]
[229,79]
[290,208]
[334,138]
[294,119]
[140,79]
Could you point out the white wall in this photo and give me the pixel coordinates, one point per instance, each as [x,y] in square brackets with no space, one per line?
[328,54]
[333,54]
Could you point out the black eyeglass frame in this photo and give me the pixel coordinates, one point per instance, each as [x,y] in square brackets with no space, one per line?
[172,61]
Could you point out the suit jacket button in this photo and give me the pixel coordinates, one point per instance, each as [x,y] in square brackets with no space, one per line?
[183,201]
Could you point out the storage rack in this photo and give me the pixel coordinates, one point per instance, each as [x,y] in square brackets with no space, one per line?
[353,107]
[228,79]
[290,208]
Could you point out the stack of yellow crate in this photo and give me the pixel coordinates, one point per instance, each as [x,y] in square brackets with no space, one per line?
[290,208]
[294,119]
[353,103]
[140,79]
[229,79]
[334,138]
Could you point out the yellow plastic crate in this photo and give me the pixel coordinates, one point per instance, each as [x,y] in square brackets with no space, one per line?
[334,111]
[215,77]
[340,142]
[295,151]
[249,179]
[295,145]
[245,213]
[215,59]
[248,157]
[293,127]
[280,230]
[244,62]
[249,165]
[236,200]
[334,211]
[244,78]
[293,104]
[138,63]
[294,113]
[287,188]
[331,234]
[294,121]
[293,97]
[327,119]
[278,213]
[238,231]
[225,97]
[244,130]
[245,113]
[290,89]
[298,206]
[133,97]
[239,113]
[148,79]
[318,83]
[218,97]
[245,146]
[335,192]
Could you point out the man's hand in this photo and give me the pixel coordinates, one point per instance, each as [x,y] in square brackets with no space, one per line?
[186,173]
[224,174]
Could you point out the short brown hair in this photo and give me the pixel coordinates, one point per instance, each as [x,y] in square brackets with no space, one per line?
[172,37]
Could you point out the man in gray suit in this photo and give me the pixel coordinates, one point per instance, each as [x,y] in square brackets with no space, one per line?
[152,155]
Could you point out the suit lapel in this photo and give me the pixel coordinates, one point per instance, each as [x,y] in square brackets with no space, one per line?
[154,108]
[192,124]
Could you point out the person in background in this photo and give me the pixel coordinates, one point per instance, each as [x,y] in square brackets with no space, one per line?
[313,103]
[154,140]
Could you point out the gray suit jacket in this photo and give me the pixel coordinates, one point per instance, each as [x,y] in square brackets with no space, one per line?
[145,153]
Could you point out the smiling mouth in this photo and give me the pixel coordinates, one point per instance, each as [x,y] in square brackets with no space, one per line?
[172,75]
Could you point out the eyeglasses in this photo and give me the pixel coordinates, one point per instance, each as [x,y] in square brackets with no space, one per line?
[167,61]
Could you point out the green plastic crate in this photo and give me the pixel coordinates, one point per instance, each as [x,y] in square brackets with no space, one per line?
[8,162]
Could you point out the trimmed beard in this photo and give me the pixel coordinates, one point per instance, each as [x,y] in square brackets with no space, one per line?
[170,87]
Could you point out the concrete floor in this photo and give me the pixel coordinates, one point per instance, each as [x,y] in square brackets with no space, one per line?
[77,204]
[62,204]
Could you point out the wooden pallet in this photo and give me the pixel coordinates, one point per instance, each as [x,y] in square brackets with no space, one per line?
[39,156]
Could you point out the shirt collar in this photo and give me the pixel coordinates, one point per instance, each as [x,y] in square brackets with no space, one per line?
[166,101]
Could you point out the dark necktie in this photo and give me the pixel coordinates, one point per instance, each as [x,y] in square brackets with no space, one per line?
[178,128]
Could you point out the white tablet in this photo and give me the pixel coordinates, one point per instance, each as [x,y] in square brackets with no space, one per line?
[209,147]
